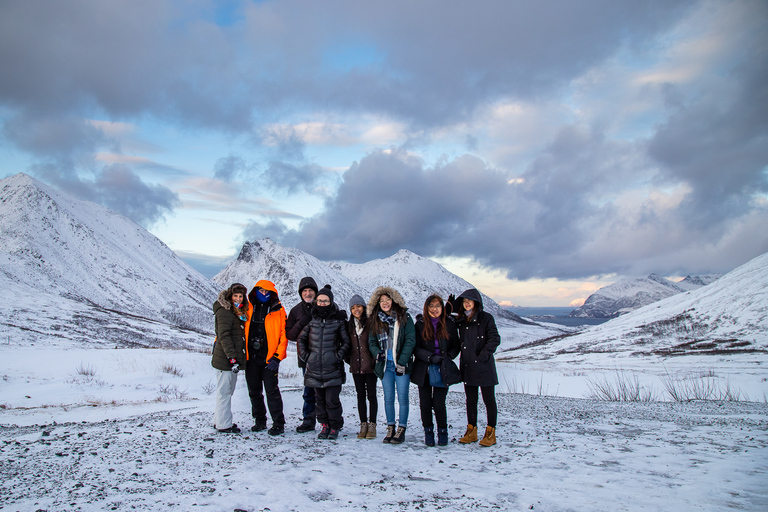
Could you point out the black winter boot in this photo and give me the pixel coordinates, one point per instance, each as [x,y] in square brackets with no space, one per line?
[442,437]
[390,433]
[399,436]
[276,430]
[333,434]
[429,436]
[324,431]
[259,425]
[306,426]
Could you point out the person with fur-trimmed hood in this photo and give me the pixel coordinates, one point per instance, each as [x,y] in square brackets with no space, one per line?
[299,317]
[391,340]
[479,340]
[266,346]
[323,346]
[228,352]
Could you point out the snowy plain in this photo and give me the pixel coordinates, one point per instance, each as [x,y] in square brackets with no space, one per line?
[130,429]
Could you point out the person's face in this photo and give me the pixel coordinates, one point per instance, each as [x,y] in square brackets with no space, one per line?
[237,298]
[307,294]
[435,309]
[356,310]
[385,303]
[469,304]
[323,300]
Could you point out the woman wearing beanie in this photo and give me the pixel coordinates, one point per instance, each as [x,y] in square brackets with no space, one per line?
[361,366]
[391,339]
[479,340]
[228,352]
[323,345]
[437,344]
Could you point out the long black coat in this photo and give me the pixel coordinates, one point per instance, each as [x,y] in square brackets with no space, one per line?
[479,340]
[323,345]
[360,358]
[449,348]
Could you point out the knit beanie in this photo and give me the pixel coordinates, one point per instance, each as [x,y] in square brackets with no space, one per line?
[356,300]
[326,290]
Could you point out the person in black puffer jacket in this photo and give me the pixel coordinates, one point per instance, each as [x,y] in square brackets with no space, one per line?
[228,351]
[323,346]
[479,340]
[298,318]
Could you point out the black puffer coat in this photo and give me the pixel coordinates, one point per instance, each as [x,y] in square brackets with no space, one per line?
[323,345]
[449,348]
[479,340]
[230,334]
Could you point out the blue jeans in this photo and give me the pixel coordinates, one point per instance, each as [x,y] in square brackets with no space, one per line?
[389,383]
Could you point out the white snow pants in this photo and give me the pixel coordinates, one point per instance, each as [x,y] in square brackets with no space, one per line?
[225,388]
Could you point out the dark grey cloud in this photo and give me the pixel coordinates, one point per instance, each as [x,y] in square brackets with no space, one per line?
[562,218]
[293,179]
[429,64]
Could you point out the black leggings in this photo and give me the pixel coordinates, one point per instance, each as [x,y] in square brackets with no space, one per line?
[365,385]
[489,399]
[433,398]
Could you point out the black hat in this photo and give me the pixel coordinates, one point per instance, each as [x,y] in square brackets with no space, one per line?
[326,290]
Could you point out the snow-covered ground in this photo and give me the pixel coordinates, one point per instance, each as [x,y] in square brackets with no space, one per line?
[130,429]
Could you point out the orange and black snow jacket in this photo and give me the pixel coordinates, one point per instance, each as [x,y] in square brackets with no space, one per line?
[274,322]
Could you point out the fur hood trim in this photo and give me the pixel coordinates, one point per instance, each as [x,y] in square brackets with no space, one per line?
[385,290]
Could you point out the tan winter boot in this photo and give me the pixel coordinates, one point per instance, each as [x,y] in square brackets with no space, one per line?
[470,436]
[363,430]
[371,431]
[489,439]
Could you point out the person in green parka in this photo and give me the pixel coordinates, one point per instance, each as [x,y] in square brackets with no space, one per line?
[391,340]
[228,352]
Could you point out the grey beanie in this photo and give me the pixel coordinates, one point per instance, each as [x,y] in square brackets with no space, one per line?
[356,300]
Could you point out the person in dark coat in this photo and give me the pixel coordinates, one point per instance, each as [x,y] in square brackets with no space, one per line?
[299,317]
[391,339]
[479,340]
[436,339]
[228,352]
[361,365]
[323,345]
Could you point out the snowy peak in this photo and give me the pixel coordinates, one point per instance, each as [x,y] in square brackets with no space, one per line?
[414,276]
[629,294]
[84,252]
[724,318]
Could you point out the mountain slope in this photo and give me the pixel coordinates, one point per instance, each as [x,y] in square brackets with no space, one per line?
[416,278]
[629,294]
[285,266]
[727,317]
[82,258]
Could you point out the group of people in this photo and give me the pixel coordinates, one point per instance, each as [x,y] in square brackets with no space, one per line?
[379,341]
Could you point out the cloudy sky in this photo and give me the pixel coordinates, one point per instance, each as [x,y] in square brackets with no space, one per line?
[539,149]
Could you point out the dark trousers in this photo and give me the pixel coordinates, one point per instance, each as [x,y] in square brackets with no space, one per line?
[489,399]
[430,399]
[365,385]
[308,410]
[328,406]
[261,380]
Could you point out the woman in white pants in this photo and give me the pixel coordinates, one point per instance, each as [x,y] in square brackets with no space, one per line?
[228,352]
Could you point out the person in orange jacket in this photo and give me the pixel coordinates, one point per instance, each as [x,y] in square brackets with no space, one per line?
[265,348]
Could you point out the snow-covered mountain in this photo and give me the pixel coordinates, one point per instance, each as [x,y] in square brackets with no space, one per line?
[83,272]
[285,266]
[416,278]
[413,276]
[727,317]
[629,294]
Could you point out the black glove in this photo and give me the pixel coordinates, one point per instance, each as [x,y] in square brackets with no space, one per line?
[274,364]
[435,359]
[234,366]
[381,356]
